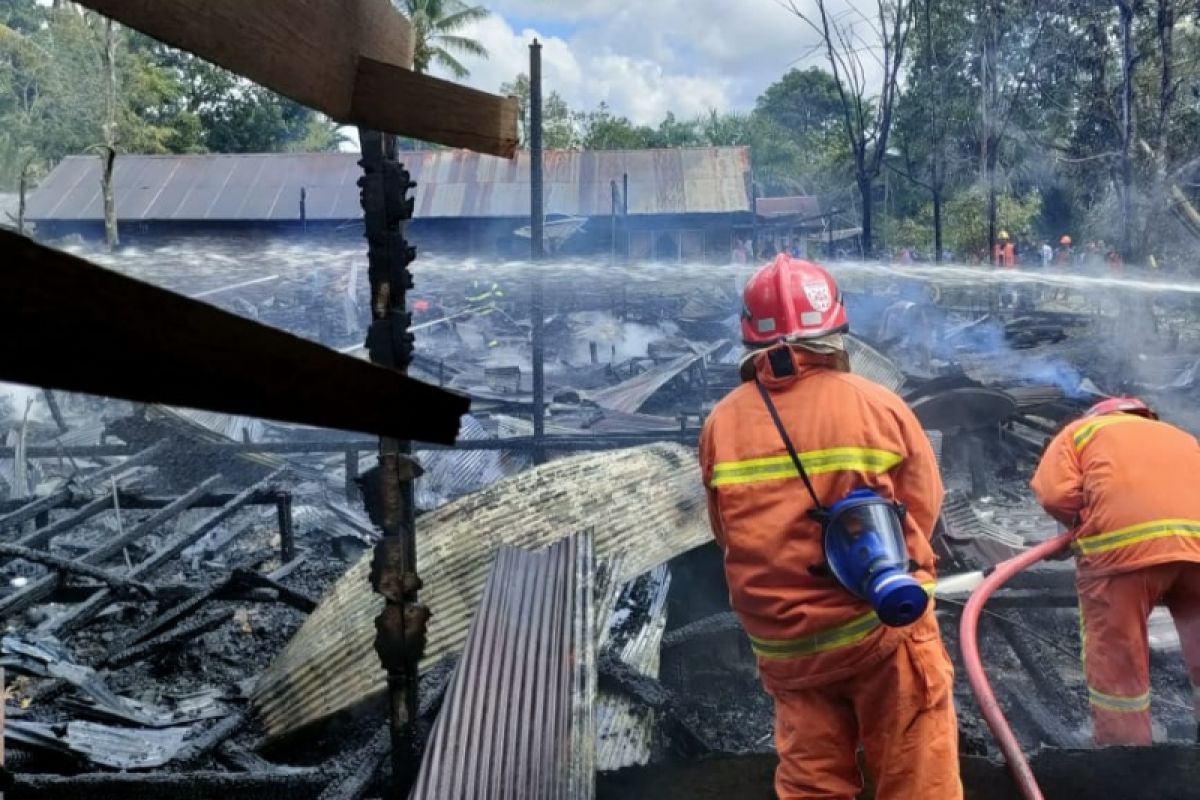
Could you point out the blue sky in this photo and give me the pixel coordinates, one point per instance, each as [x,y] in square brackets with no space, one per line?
[647,57]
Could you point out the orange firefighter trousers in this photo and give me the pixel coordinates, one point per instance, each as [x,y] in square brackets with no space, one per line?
[1114,611]
[902,713]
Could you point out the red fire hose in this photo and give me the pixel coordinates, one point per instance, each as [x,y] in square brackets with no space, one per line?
[1009,745]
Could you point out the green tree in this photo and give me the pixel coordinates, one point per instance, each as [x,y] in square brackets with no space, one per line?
[558,121]
[778,159]
[209,109]
[603,130]
[804,103]
[867,112]
[436,40]
[673,133]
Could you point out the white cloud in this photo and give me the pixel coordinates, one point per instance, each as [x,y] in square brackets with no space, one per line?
[647,58]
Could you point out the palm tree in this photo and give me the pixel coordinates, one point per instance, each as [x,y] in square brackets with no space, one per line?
[434,24]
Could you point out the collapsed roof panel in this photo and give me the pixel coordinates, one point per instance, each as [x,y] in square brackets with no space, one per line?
[645,503]
[517,718]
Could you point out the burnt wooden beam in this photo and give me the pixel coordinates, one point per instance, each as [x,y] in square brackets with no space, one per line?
[42,536]
[44,586]
[100,332]
[297,600]
[33,509]
[161,785]
[70,567]
[551,441]
[136,501]
[171,639]
[85,612]
[346,58]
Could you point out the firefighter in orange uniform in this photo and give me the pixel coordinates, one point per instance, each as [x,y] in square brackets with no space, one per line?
[1125,483]
[801,446]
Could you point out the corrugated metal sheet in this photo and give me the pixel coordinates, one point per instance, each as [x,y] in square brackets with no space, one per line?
[796,206]
[874,365]
[980,541]
[450,184]
[646,503]
[124,748]
[624,729]
[517,719]
[629,396]
[450,474]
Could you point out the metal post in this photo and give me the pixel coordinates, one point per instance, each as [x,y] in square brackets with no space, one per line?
[536,243]
[400,627]
[612,244]
[352,493]
[287,538]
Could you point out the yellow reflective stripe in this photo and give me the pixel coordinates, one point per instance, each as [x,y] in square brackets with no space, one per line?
[1088,432]
[815,462]
[845,635]
[1122,705]
[1136,534]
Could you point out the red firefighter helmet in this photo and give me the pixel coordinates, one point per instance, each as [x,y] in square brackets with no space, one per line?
[791,299]
[1121,405]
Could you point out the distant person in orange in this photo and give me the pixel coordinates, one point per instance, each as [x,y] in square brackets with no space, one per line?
[1115,262]
[790,460]
[1124,482]
[1005,255]
[1064,255]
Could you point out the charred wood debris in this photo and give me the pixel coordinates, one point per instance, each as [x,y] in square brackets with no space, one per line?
[155,560]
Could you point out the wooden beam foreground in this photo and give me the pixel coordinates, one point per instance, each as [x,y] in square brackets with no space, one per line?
[349,59]
[68,324]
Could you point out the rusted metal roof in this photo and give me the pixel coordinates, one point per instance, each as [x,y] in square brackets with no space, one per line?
[645,503]
[517,720]
[450,184]
[798,206]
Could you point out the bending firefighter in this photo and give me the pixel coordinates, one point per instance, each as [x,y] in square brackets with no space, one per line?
[823,491]
[1125,483]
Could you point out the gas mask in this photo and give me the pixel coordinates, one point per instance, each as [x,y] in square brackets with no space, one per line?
[865,551]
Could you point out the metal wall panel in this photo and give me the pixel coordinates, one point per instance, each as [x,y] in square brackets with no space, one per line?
[516,721]
[450,184]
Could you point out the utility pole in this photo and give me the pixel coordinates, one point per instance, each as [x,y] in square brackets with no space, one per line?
[109,148]
[1125,10]
[400,627]
[537,246]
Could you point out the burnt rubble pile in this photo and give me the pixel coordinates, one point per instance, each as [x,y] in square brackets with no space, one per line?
[184,598]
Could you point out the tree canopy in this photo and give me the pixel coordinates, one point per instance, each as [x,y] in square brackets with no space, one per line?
[52,96]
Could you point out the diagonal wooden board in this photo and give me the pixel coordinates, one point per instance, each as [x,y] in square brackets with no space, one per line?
[68,324]
[349,59]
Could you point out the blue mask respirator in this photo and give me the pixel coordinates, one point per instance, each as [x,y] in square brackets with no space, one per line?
[865,551]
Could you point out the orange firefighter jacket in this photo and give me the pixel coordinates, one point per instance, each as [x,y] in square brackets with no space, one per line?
[1127,486]
[849,432]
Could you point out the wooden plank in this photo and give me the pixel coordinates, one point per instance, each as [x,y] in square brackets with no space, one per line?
[115,336]
[397,100]
[317,51]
